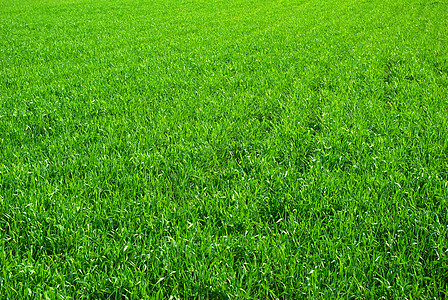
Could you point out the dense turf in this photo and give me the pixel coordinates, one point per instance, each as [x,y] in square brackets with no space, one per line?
[223,149]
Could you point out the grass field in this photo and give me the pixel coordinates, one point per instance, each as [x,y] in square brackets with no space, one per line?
[222,149]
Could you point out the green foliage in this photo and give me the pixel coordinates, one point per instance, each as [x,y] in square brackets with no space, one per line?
[223,149]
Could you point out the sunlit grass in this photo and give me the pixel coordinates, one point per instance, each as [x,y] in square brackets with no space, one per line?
[223,149]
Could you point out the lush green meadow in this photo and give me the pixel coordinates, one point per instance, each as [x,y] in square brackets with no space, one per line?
[252,149]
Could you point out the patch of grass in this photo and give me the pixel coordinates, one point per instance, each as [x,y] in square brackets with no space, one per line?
[223,149]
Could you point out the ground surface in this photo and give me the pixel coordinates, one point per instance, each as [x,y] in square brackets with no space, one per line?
[223,148]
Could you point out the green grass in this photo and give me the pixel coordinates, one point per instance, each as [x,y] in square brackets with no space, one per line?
[223,149]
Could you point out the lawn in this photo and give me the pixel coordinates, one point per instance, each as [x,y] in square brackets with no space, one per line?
[223,149]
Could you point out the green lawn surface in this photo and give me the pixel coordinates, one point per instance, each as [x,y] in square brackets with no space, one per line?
[223,149]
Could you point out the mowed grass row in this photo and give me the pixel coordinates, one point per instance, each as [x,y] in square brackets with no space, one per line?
[223,149]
